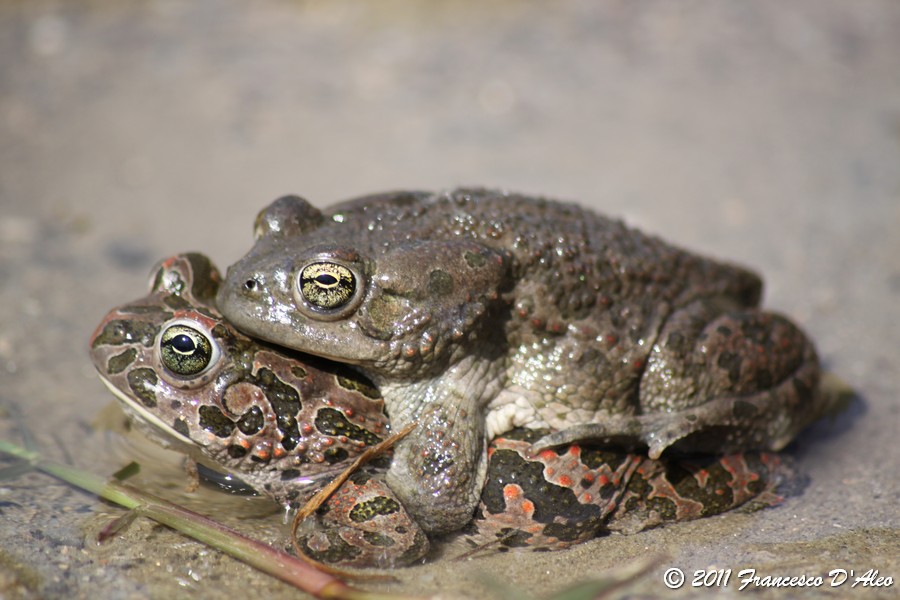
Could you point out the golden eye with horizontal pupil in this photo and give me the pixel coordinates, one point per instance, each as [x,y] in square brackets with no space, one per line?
[185,351]
[327,285]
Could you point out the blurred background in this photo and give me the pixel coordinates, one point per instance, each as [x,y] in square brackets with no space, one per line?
[767,133]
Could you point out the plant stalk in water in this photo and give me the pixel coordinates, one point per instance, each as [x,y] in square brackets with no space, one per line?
[256,554]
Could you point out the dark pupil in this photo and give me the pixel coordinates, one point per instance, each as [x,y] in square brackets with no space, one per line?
[326,279]
[184,343]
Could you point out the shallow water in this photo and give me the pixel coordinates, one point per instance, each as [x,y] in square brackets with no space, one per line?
[761,132]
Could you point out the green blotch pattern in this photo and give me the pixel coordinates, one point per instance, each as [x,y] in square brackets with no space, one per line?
[331,421]
[378,506]
[143,382]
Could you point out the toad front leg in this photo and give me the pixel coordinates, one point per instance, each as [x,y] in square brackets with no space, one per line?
[362,525]
[438,470]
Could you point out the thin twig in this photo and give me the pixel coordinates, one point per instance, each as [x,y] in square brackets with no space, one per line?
[322,495]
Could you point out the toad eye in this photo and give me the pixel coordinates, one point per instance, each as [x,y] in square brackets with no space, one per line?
[186,351]
[328,289]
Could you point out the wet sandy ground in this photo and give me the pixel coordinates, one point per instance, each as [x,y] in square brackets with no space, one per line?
[764,132]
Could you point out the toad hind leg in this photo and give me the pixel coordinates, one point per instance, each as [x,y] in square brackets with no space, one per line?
[667,491]
[718,382]
[739,380]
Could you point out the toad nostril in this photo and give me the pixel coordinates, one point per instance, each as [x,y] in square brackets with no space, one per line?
[250,285]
